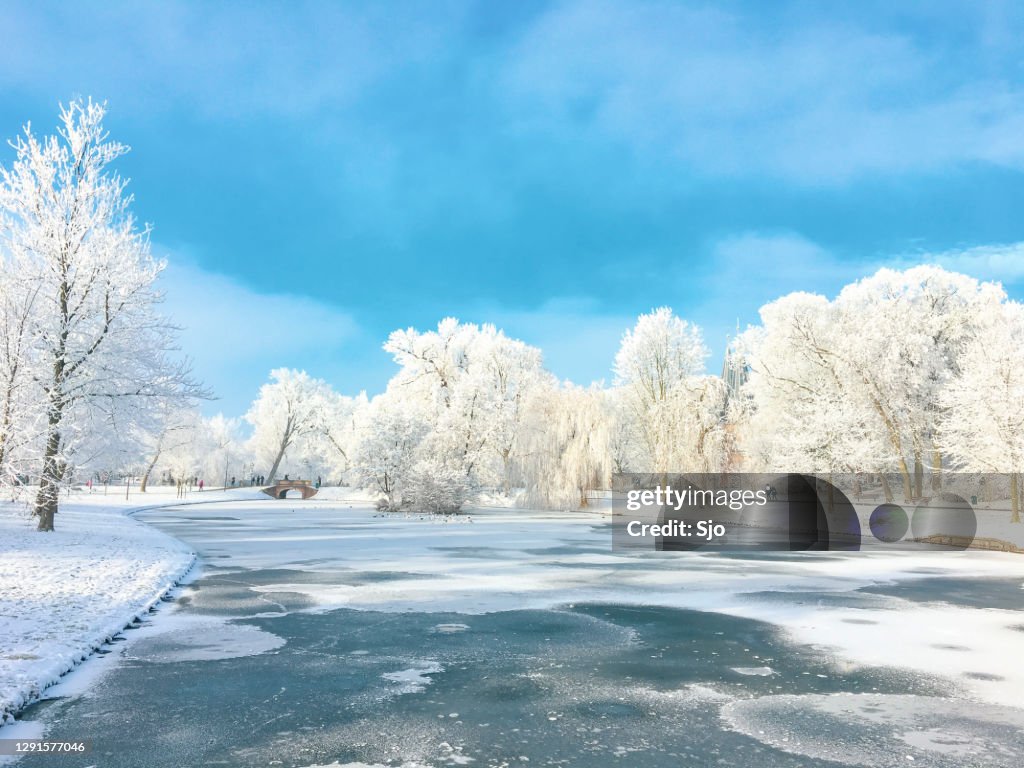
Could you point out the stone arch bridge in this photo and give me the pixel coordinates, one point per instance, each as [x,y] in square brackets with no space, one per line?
[280,489]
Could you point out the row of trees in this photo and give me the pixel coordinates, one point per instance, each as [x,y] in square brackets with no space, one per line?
[472,409]
[910,374]
[913,373]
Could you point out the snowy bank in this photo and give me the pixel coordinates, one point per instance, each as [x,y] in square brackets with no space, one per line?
[64,594]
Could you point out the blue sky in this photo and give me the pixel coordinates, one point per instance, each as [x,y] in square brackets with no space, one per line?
[318,174]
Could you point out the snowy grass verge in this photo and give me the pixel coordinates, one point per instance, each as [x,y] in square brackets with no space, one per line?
[64,594]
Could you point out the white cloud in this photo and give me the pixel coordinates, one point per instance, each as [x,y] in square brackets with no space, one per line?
[1003,263]
[218,60]
[236,335]
[800,97]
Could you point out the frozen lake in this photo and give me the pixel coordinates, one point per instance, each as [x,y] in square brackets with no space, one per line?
[321,634]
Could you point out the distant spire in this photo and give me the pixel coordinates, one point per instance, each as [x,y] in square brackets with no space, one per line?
[734,368]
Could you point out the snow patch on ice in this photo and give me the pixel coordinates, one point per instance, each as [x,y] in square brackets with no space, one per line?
[754,671]
[180,638]
[450,629]
[414,679]
[883,731]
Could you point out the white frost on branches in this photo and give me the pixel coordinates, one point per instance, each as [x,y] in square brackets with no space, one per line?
[79,306]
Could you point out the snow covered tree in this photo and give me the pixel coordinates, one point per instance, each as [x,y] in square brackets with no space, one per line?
[802,416]
[505,372]
[657,353]
[173,428]
[854,383]
[921,319]
[98,347]
[566,446]
[982,426]
[19,410]
[432,361]
[471,383]
[222,451]
[674,416]
[333,439]
[391,432]
[289,408]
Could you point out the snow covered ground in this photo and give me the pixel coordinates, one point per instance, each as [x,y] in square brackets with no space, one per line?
[64,594]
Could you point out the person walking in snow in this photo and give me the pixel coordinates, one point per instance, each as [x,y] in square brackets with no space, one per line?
[200,486]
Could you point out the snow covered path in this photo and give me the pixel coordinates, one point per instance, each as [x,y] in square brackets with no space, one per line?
[63,594]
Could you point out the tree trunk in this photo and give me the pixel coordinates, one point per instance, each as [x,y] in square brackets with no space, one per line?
[936,470]
[5,426]
[918,476]
[908,490]
[149,469]
[277,463]
[1015,497]
[506,462]
[46,498]
[886,488]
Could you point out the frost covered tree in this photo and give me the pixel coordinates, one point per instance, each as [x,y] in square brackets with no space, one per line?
[801,418]
[921,320]
[505,372]
[855,383]
[332,442]
[440,423]
[657,353]
[289,409]
[673,415]
[173,429]
[222,450]
[431,362]
[99,349]
[391,432]
[19,411]
[982,426]
[566,446]
[470,383]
